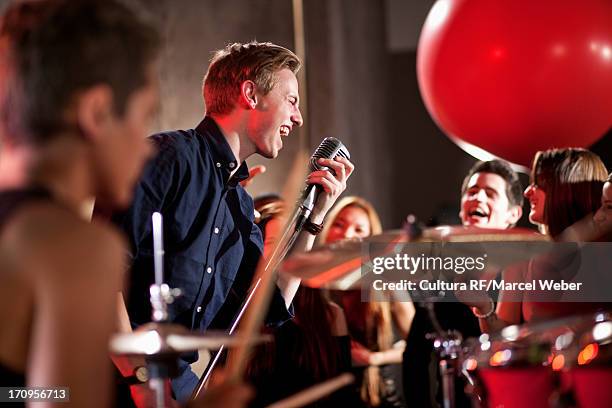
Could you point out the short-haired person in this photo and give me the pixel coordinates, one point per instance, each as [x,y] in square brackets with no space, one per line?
[566,187]
[491,197]
[212,245]
[70,128]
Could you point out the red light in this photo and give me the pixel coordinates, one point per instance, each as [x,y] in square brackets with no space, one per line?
[471,364]
[588,353]
[558,362]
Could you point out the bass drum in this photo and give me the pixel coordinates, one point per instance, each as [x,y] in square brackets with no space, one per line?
[562,362]
[509,374]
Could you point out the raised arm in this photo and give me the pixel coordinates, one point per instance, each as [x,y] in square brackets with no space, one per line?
[333,186]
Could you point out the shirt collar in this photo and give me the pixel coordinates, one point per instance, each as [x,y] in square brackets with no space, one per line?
[222,155]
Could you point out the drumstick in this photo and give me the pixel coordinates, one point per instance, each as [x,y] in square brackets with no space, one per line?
[254,315]
[314,393]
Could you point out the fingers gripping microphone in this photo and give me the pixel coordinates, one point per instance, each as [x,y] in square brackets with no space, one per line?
[329,148]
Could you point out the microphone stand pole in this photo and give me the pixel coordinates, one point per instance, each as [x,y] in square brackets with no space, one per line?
[447,344]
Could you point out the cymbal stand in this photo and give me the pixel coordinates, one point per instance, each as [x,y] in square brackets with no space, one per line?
[447,345]
[160,367]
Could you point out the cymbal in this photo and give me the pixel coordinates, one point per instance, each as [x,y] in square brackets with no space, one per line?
[168,339]
[338,265]
[550,329]
[459,233]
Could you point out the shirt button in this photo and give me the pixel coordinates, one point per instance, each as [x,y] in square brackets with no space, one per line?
[199,309]
[232,165]
[218,164]
[216,230]
[209,269]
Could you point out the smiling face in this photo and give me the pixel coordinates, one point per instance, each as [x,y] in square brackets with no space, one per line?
[603,216]
[275,114]
[485,203]
[537,203]
[351,222]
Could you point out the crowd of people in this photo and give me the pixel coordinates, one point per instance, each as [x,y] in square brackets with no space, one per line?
[77,93]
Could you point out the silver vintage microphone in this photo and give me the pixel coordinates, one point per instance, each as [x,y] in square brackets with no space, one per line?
[329,148]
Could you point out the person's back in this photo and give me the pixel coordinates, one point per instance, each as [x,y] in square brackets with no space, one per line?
[70,128]
[51,260]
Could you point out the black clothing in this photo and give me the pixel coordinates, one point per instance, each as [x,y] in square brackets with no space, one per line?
[422,386]
[212,246]
[288,376]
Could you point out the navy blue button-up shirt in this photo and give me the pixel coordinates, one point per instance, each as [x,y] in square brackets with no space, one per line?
[212,246]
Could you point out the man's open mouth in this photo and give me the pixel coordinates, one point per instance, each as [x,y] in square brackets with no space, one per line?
[478,213]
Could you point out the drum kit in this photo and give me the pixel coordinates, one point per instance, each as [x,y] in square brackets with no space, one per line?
[558,363]
[566,362]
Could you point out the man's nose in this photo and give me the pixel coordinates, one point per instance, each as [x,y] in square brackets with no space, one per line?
[481,196]
[528,191]
[296,118]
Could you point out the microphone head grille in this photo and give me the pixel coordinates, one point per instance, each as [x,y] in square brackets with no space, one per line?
[329,148]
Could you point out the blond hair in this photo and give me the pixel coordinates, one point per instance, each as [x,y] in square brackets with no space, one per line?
[236,63]
[351,201]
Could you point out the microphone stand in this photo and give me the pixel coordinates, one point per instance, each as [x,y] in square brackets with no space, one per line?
[284,245]
[447,344]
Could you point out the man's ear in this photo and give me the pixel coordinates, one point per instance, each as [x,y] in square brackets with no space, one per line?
[248,97]
[516,212]
[94,111]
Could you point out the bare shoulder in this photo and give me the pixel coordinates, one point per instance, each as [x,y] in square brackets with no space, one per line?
[402,308]
[54,241]
[339,326]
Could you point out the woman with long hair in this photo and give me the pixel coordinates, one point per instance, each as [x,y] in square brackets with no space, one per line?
[311,348]
[566,188]
[376,328]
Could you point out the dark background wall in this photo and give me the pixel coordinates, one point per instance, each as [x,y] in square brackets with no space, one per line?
[362,88]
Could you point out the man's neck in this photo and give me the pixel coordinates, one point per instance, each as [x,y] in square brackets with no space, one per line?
[234,129]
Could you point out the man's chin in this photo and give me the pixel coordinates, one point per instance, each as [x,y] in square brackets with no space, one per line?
[268,153]
[477,222]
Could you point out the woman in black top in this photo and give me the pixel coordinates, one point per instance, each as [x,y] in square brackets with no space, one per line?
[312,348]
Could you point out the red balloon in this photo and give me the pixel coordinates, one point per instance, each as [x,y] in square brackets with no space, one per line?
[516,76]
